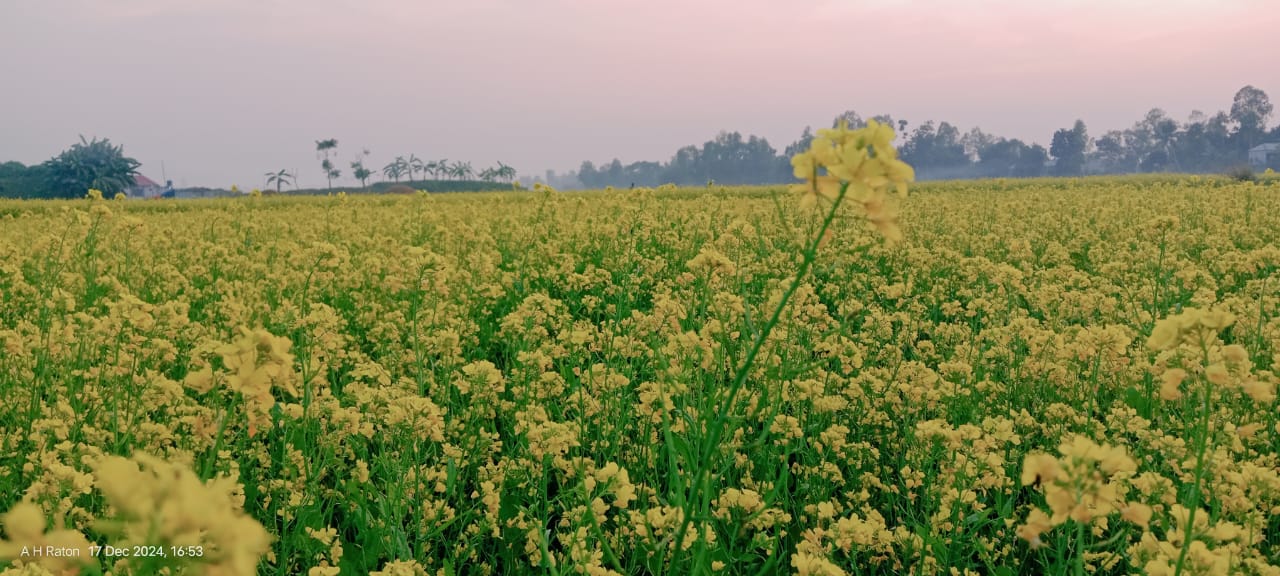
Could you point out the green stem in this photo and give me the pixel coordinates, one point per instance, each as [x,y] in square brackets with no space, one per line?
[1201,448]
[701,485]
[1079,548]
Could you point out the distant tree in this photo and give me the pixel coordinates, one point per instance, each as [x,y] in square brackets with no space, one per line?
[1165,136]
[360,172]
[1113,154]
[463,170]
[613,172]
[974,142]
[853,118]
[279,178]
[757,161]
[642,174]
[1250,111]
[1150,142]
[506,173]
[1068,148]
[899,126]
[91,164]
[19,181]
[10,174]
[414,165]
[325,148]
[443,167]
[732,159]
[720,157]
[1217,141]
[935,151]
[588,175]
[488,174]
[998,158]
[949,148]
[1206,146]
[1190,145]
[330,171]
[395,169]
[686,167]
[1031,162]
[800,145]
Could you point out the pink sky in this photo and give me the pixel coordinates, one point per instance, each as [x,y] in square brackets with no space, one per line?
[222,91]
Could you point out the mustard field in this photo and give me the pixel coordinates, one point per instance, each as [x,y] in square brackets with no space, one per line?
[988,377]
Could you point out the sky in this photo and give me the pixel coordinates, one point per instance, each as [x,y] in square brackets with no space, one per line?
[219,92]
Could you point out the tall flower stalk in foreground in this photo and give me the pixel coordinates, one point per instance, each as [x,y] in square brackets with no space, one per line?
[1210,372]
[842,164]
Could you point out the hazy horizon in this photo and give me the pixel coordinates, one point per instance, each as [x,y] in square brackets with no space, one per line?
[223,91]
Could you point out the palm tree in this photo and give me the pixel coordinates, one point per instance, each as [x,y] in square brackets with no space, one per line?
[488,174]
[414,164]
[280,178]
[442,166]
[395,169]
[464,170]
[505,172]
[432,168]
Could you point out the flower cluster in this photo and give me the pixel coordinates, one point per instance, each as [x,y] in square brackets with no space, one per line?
[160,503]
[1085,484]
[860,163]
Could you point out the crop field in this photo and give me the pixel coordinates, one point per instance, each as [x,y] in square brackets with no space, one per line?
[1028,376]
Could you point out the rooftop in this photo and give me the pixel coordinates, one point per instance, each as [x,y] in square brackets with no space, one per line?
[143,182]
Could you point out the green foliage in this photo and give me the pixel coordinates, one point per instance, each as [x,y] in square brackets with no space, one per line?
[18,181]
[325,148]
[360,172]
[938,148]
[1250,111]
[1068,149]
[728,159]
[280,178]
[396,168]
[500,172]
[90,164]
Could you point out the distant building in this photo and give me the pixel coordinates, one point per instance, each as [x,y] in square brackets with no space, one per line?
[144,187]
[1265,156]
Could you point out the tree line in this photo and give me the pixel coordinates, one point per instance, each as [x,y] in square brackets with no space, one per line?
[101,165]
[1156,143]
[408,167]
